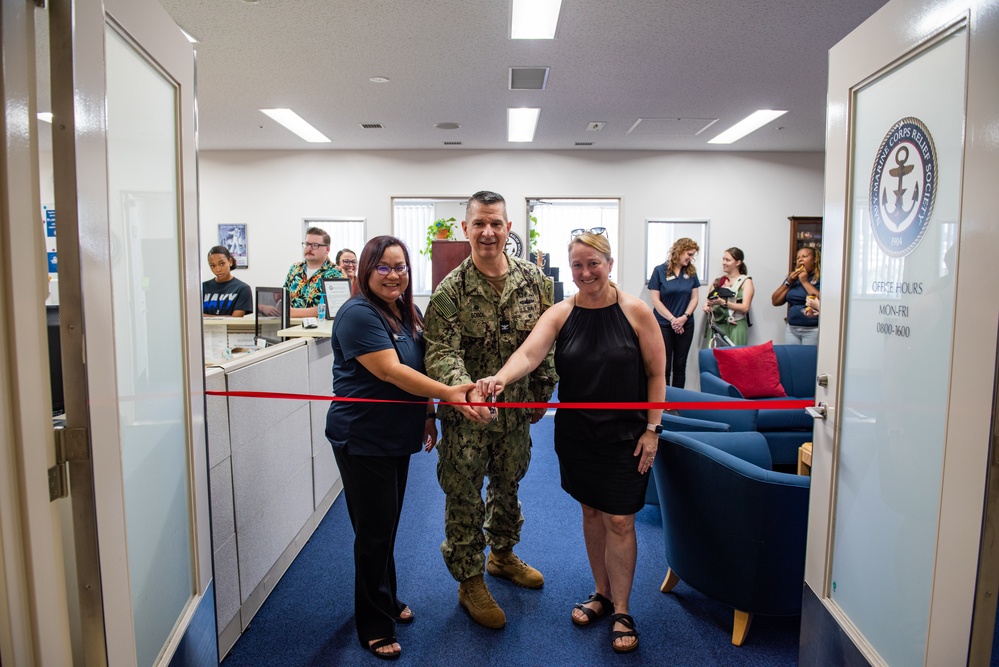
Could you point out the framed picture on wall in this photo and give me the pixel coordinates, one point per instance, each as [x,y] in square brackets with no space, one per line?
[233,237]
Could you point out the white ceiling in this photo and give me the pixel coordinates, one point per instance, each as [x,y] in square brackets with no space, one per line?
[448,61]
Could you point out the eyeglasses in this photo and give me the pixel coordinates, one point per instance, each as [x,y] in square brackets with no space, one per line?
[596,230]
[315,246]
[349,262]
[383,270]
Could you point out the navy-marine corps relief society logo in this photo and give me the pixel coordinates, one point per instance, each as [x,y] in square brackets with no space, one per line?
[903,187]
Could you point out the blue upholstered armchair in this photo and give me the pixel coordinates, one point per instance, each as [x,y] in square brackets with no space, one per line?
[785,430]
[714,421]
[733,529]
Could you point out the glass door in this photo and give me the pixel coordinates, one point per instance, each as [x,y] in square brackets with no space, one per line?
[130,290]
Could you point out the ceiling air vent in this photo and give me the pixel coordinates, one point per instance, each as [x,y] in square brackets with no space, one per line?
[584,143]
[528,78]
[452,143]
[372,126]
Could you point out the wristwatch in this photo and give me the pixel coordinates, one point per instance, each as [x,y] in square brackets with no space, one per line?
[658,428]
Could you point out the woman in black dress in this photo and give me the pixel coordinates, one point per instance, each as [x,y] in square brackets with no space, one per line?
[608,348]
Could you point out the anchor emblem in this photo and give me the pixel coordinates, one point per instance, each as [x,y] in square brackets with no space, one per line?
[899,227]
[900,213]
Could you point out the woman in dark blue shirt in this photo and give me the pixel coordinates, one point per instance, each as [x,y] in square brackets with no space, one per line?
[800,291]
[673,287]
[378,353]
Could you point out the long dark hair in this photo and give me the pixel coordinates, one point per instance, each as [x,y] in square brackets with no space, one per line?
[222,250]
[370,256]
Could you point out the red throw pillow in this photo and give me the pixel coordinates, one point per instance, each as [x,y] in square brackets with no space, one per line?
[752,370]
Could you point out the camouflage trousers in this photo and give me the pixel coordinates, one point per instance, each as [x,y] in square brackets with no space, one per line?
[467,454]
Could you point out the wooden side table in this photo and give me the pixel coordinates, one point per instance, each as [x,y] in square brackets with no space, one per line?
[805,459]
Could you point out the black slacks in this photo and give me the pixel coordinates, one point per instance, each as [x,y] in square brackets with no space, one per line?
[374,487]
[677,349]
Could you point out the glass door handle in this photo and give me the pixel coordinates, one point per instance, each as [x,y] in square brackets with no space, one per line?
[817,411]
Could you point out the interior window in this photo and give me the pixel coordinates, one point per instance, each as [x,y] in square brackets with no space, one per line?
[660,236]
[551,226]
[344,233]
[411,218]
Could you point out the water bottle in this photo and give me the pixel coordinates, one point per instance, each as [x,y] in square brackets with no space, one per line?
[322,308]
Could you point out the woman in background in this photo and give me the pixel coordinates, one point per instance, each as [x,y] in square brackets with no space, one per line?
[800,291]
[346,261]
[224,294]
[730,313]
[608,348]
[378,353]
[673,287]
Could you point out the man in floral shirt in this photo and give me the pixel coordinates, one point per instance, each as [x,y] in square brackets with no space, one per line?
[305,279]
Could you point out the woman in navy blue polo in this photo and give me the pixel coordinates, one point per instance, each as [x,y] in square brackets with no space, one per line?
[378,353]
[673,287]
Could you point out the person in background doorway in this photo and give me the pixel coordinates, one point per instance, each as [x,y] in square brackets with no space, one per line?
[608,349]
[377,341]
[729,299]
[305,279]
[478,316]
[346,262]
[224,294]
[800,291]
[673,288]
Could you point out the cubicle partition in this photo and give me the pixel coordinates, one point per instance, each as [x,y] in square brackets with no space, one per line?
[273,476]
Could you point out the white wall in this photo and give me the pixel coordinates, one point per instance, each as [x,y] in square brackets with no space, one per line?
[746,196]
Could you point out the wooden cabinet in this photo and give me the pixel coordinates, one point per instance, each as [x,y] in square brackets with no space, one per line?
[447,255]
[806,232]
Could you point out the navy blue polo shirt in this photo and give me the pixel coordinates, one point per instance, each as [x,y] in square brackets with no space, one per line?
[795,297]
[674,292]
[372,429]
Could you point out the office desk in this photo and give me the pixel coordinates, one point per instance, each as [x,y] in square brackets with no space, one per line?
[324,330]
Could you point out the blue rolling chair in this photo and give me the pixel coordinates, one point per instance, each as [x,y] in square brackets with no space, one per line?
[733,529]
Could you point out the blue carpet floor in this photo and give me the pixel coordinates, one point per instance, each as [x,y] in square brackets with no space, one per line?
[308,619]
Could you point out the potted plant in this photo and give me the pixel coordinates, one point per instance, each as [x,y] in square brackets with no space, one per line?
[438,230]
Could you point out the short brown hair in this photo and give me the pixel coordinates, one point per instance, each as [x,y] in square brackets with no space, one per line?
[315,231]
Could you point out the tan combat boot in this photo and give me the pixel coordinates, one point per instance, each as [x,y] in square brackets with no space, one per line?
[505,564]
[474,596]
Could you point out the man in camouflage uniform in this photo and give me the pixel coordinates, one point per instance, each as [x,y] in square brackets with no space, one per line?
[479,314]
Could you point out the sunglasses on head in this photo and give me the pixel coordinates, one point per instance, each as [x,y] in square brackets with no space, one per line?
[596,230]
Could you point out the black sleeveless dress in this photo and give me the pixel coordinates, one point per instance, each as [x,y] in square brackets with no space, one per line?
[598,359]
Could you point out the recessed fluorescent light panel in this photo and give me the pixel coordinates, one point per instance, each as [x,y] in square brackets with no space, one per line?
[45,116]
[297,124]
[520,124]
[534,19]
[750,123]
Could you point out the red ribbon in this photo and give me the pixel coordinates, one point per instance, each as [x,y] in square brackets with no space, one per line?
[789,404]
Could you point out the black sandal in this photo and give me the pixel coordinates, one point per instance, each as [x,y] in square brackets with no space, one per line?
[628,622]
[407,620]
[388,641]
[606,606]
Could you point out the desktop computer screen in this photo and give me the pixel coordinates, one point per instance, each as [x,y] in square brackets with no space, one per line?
[273,313]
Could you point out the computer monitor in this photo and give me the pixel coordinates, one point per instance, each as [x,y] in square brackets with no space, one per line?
[272,313]
[336,292]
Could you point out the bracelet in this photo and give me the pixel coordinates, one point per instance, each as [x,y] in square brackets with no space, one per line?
[688,315]
[432,414]
[787,283]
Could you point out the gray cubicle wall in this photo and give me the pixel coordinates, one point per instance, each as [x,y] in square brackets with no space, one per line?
[271,482]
